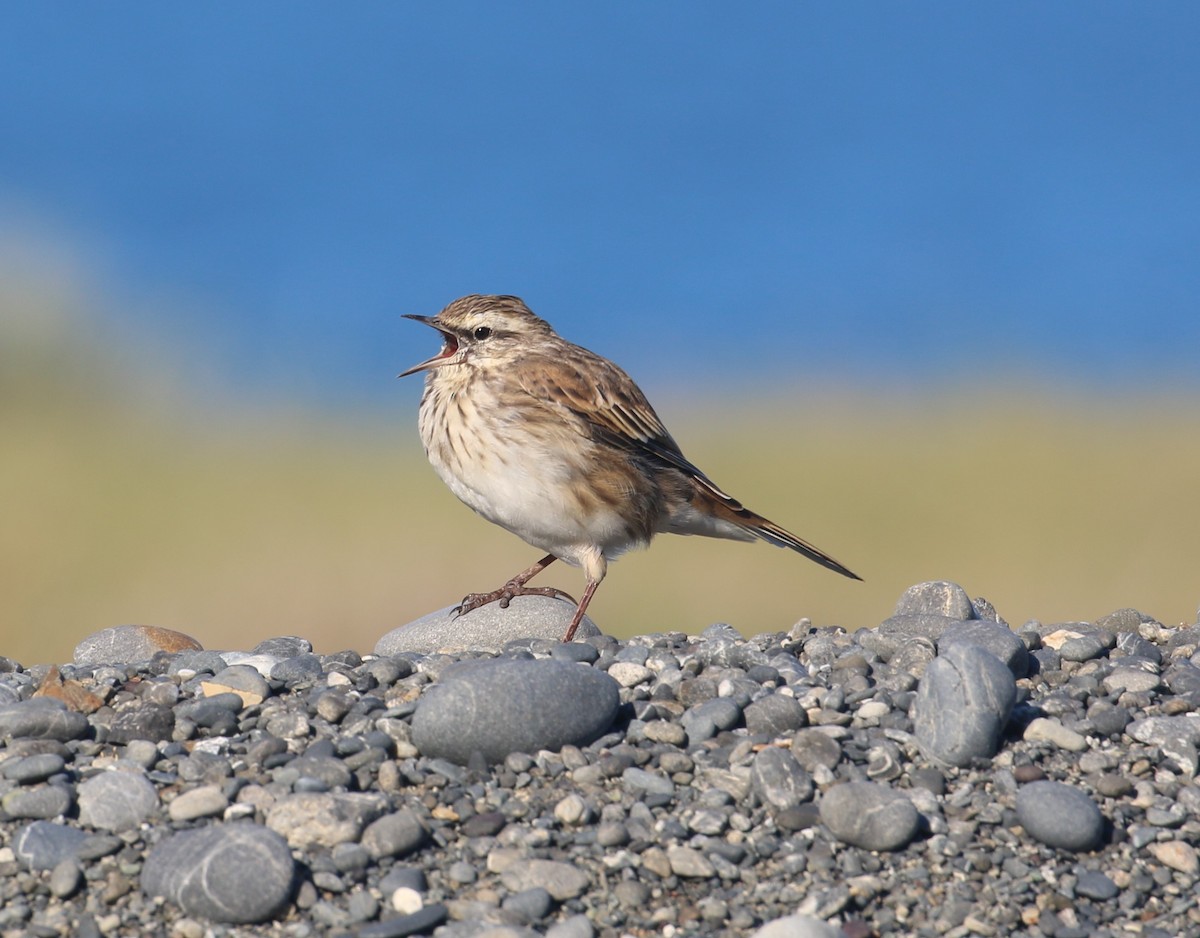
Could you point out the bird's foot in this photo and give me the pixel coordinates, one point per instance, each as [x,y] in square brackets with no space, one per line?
[506,594]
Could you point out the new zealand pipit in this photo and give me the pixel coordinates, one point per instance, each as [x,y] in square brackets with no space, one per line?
[560,447]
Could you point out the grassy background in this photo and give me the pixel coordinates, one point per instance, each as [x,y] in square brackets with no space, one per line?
[124,501]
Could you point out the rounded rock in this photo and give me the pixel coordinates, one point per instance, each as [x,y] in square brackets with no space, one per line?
[238,873]
[963,704]
[869,815]
[117,801]
[797,926]
[1058,815]
[128,644]
[502,706]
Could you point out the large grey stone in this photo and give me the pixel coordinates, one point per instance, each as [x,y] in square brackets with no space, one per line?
[127,644]
[42,845]
[963,703]
[869,815]
[237,873]
[1060,816]
[41,718]
[488,628]
[501,706]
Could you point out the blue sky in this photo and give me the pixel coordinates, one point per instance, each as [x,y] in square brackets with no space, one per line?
[705,192]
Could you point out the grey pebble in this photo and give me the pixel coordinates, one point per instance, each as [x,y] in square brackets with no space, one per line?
[1095,885]
[775,715]
[1060,816]
[145,722]
[779,780]
[500,706]
[487,628]
[43,802]
[869,815]
[394,835]
[238,873]
[26,770]
[65,879]
[993,637]
[797,926]
[937,597]
[117,800]
[563,881]
[963,704]
[42,845]
[41,718]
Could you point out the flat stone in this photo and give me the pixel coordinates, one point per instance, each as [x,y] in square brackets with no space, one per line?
[41,718]
[1060,816]
[27,770]
[488,628]
[1177,855]
[395,835]
[501,706]
[43,802]
[42,845]
[129,644]
[241,679]
[204,801]
[963,704]
[869,815]
[813,747]
[562,880]
[689,863]
[774,715]
[117,800]
[1134,680]
[238,873]
[1052,731]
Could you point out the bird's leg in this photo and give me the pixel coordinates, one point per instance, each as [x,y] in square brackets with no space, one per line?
[583,604]
[514,587]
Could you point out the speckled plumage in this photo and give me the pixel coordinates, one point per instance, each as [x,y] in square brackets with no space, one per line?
[559,446]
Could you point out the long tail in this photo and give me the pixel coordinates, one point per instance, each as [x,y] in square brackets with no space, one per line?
[730,510]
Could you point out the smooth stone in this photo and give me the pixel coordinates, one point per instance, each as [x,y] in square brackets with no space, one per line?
[722,712]
[990,636]
[562,880]
[577,926]
[117,800]
[43,802]
[797,926]
[65,879]
[323,819]
[205,801]
[1133,680]
[774,715]
[129,644]
[240,679]
[939,598]
[1154,731]
[145,721]
[1082,648]
[300,669]
[1177,855]
[813,747]
[27,770]
[1095,885]
[500,706]
[394,835]
[869,815]
[651,782]
[1058,815]
[488,628]
[1042,729]
[42,845]
[778,779]
[238,873]
[530,905]
[963,704]
[628,674]
[689,863]
[41,718]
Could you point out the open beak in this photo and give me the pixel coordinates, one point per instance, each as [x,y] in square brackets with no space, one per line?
[449,347]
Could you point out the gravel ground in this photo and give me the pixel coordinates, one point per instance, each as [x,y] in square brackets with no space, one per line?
[941,774]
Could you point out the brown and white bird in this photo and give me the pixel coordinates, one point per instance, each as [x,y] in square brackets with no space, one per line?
[558,445]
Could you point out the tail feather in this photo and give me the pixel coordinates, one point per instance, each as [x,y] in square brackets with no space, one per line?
[728,509]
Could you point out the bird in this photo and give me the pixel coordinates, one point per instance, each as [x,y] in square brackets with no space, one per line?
[560,447]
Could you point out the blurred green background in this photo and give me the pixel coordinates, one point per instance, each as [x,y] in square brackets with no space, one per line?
[135,493]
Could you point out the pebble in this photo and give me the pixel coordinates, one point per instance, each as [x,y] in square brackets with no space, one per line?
[488,628]
[237,873]
[129,644]
[1059,815]
[963,704]
[782,782]
[501,706]
[869,815]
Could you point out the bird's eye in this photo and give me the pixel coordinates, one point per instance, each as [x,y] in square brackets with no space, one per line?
[482,332]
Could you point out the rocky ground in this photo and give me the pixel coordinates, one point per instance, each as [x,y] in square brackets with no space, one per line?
[939,775]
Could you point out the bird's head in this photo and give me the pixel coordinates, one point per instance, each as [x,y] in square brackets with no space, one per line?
[477,329]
